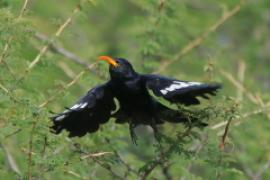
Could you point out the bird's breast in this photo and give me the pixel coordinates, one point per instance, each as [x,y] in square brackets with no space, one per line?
[132,95]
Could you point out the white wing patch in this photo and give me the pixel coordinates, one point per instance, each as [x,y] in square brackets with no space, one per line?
[178,85]
[81,105]
[76,106]
[59,118]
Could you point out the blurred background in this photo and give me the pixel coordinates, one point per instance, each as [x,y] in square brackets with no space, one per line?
[48,52]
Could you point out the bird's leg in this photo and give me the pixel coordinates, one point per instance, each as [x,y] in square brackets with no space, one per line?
[132,133]
[157,135]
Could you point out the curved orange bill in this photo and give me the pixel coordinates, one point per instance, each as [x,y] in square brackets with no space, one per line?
[109,60]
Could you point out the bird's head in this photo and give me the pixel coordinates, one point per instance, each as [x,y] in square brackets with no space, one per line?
[119,68]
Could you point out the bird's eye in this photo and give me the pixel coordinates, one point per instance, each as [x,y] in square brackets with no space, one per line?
[117,62]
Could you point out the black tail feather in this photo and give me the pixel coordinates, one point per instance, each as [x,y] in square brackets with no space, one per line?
[175,116]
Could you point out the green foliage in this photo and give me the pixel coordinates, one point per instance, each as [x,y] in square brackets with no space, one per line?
[190,36]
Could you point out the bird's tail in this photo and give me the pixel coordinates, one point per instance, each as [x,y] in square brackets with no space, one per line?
[174,116]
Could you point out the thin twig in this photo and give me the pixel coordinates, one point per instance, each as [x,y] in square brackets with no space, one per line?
[239,85]
[222,144]
[13,133]
[23,8]
[241,77]
[198,149]
[95,158]
[7,44]
[66,69]
[8,92]
[30,148]
[61,89]
[258,175]
[11,161]
[129,168]
[199,40]
[61,50]
[253,98]
[108,168]
[47,45]
[69,55]
[56,35]
[75,174]
[162,158]
[4,55]
[93,155]
[44,146]
[4,88]
[231,111]
[238,120]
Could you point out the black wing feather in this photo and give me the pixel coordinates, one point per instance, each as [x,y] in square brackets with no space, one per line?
[177,91]
[87,114]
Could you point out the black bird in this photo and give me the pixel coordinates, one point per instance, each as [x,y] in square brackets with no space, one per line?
[137,106]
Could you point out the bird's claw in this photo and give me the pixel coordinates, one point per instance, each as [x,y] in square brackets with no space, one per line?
[157,135]
[133,137]
[133,134]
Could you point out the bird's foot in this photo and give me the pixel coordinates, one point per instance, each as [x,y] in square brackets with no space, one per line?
[133,134]
[157,135]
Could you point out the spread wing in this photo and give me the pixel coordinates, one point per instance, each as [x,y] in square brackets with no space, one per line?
[87,114]
[177,91]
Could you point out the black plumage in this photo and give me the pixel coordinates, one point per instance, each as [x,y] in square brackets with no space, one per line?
[136,105]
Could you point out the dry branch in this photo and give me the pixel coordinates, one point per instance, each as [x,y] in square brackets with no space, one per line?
[23,9]
[223,138]
[69,55]
[237,121]
[45,48]
[239,85]
[4,88]
[4,55]
[56,35]
[241,77]
[11,161]
[8,92]
[61,89]
[93,155]
[75,174]
[199,40]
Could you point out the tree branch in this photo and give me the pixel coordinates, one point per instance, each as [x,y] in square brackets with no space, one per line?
[69,55]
